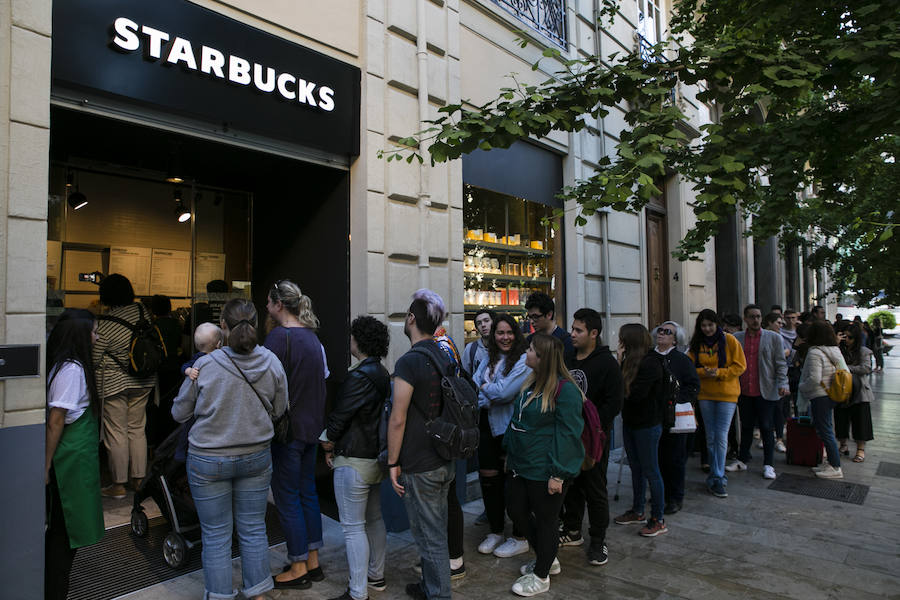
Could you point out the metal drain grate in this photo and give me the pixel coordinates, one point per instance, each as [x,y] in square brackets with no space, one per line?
[840,491]
[888,469]
[122,563]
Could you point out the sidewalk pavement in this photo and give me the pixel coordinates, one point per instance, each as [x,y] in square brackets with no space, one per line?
[755,544]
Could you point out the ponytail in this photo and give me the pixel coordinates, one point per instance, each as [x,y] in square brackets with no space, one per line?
[239,315]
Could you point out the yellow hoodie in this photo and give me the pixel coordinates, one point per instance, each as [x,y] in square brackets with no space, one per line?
[726,385]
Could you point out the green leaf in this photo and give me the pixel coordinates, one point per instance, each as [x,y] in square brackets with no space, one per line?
[649,160]
[886,235]
[708,215]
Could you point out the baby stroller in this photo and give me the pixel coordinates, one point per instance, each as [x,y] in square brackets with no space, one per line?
[166,482]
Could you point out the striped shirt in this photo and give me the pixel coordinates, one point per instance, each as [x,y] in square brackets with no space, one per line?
[114,341]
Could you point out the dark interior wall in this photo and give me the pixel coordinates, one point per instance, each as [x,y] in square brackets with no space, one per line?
[304,236]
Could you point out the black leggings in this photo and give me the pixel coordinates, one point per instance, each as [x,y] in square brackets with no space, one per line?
[493,488]
[58,556]
[536,513]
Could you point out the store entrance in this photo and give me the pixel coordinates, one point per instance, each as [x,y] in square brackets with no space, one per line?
[274,217]
[252,218]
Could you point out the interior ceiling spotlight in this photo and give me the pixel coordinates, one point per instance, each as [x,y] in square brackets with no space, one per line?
[75,199]
[181,211]
[173,172]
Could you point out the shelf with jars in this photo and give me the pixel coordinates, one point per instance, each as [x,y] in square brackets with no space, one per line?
[509,252]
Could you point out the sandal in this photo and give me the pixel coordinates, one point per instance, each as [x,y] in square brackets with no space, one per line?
[844,449]
[860,456]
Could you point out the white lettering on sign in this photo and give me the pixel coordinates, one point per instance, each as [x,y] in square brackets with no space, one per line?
[130,36]
[282,86]
[212,61]
[181,51]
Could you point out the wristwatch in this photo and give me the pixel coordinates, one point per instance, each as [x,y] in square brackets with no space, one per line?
[391,466]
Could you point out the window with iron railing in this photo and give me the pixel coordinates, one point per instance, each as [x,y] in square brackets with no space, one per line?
[649,27]
[546,16]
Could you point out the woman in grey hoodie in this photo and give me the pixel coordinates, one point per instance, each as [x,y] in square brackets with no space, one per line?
[822,361]
[239,390]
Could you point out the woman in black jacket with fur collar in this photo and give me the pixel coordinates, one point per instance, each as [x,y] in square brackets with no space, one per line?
[352,448]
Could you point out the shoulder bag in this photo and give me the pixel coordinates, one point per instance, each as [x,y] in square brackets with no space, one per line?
[281,425]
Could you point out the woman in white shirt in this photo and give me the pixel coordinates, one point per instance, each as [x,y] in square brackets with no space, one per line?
[72,471]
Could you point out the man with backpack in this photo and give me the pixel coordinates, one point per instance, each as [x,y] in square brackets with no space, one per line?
[763,383]
[419,474]
[596,369]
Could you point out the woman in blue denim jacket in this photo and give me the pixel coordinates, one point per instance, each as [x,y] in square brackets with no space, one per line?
[499,379]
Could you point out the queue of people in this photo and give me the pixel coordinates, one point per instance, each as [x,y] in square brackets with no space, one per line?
[531,386]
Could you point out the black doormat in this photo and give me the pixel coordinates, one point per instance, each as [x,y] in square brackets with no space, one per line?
[888,469]
[122,563]
[840,491]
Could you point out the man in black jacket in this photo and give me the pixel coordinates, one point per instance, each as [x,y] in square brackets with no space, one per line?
[596,369]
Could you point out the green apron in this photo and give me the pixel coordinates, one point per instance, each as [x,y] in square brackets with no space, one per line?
[77,467]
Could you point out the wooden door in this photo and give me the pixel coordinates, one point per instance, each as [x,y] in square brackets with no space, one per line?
[657,269]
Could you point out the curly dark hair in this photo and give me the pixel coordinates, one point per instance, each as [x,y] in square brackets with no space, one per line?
[520,344]
[371,336]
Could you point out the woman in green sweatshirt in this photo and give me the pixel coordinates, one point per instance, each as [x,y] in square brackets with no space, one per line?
[544,453]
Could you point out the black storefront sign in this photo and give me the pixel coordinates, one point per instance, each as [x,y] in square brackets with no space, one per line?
[178,57]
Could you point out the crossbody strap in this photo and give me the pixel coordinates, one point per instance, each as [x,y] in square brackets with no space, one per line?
[248,382]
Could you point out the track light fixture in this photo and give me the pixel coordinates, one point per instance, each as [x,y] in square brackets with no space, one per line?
[182,212]
[75,199]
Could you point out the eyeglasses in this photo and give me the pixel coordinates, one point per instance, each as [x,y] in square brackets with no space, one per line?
[535,316]
[666,331]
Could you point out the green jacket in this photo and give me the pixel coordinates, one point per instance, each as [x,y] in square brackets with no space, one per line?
[543,445]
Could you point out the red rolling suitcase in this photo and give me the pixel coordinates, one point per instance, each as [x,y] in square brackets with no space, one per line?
[803,445]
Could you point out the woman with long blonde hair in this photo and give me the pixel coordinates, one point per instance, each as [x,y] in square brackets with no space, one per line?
[544,453]
[642,415]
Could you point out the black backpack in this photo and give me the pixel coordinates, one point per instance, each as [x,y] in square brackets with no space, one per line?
[454,433]
[671,389]
[146,350]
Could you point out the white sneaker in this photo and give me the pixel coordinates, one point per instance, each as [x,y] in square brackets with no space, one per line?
[530,585]
[512,547]
[490,543]
[819,468]
[736,466]
[769,472]
[779,445]
[830,472]
[528,567]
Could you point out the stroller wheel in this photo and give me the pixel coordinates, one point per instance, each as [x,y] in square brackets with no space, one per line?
[175,550]
[139,524]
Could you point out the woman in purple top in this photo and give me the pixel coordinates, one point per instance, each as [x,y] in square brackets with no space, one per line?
[294,342]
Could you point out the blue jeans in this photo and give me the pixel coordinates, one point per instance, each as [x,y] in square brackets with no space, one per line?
[226,490]
[359,505]
[642,448]
[294,489]
[756,410]
[717,421]
[426,506]
[822,411]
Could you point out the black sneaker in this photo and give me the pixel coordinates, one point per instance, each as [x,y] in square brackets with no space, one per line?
[415,591]
[379,585]
[598,554]
[570,538]
[456,574]
[345,596]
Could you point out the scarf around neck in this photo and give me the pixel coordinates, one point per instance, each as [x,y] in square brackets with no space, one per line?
[717,341]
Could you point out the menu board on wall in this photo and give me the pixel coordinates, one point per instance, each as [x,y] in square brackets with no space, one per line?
[81,261]
[208,266]
[134,263]
[170,272]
